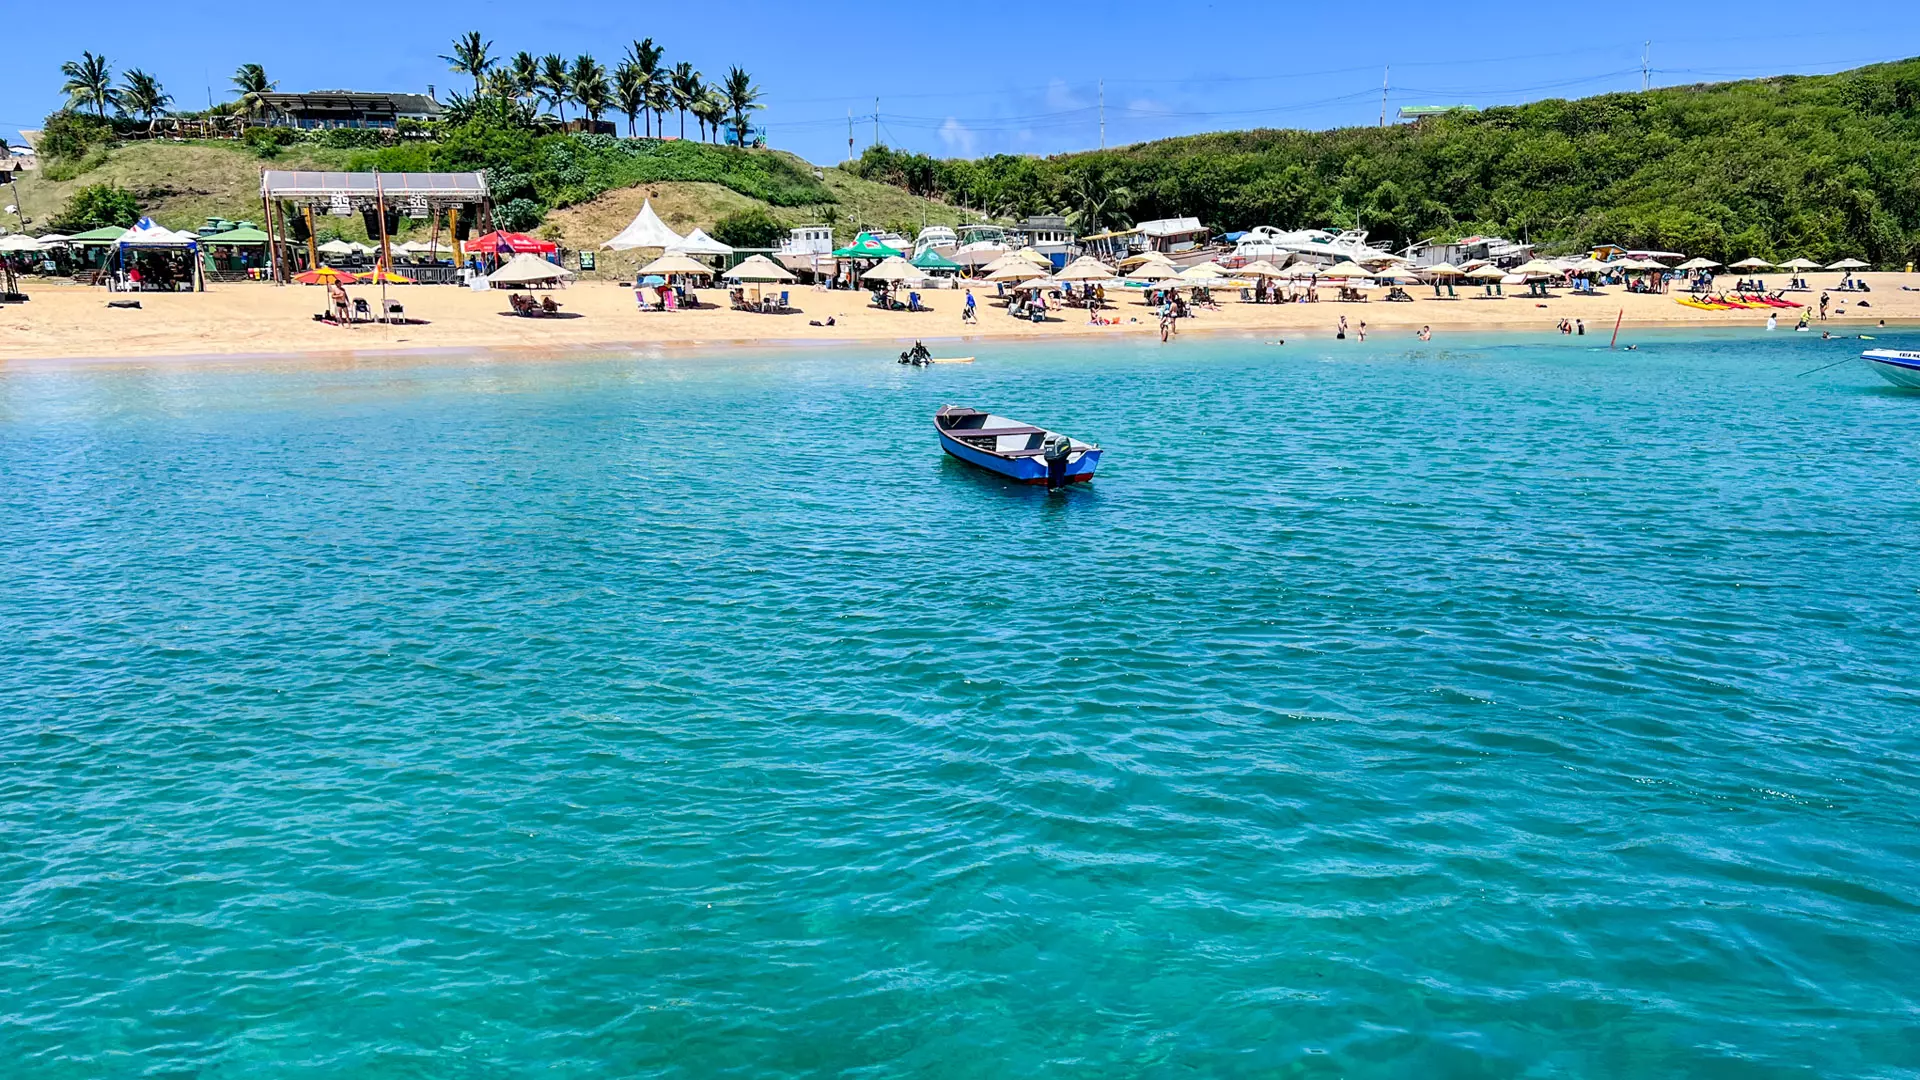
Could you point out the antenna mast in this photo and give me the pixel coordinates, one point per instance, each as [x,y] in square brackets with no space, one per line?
[876,121]
[1646,72]
[1103,114]
[1385,74]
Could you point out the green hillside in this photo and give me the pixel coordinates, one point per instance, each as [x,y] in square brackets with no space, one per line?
[580,190]
[1824,166]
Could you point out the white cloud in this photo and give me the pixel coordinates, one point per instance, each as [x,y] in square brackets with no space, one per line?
[1060,97]
[957,137]
[1147,105]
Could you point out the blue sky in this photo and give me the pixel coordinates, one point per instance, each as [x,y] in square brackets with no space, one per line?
[969,80]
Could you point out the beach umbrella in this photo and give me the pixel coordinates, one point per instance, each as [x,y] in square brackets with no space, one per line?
[1152,271]
[1489,272]
[1086,268]
[1005,260]
[1440,270]
[1143,258]
[326,275]
[1844,264]
[1017,273]
[338,247]
[1034,257]
[1799,264]
[894,269]
[1259,268]
[933,260]
[382,273]
[527,269]
[1750,264]
[1346,269]
[19,242]
[1537,268]
[676,263]
[1203,273]
[1038,285]
[1697,264]
[758,268]
[864,246]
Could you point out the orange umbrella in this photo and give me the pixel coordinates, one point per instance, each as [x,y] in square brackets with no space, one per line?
[326,275]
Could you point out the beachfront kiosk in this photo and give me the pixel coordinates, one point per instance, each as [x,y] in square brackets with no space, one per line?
[293,200]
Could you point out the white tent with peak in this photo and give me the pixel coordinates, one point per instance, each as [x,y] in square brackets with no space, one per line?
[647,231]
[698,242]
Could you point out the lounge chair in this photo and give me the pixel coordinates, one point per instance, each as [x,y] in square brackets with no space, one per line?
[361,312]
[395,313]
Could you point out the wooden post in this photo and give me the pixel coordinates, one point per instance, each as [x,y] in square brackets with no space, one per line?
[313,249]
[273,245]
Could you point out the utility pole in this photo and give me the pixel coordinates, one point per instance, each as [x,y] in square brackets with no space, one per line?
[1646,72]
[1103,114]
[1385,76]
[849,134]
[876,121]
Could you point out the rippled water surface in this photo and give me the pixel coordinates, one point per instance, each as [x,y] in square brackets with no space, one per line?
[1491,708]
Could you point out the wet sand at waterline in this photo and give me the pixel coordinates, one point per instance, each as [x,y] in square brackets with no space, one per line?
[68,321]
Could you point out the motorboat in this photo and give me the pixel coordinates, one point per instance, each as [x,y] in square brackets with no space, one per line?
[936,238]
[1898,366]
[1020,452]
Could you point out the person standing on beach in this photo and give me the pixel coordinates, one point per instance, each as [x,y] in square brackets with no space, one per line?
[966,314]
[1580,328]
[1823,306]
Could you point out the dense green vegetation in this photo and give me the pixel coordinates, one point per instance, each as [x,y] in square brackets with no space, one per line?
[1824,166]
[97,206]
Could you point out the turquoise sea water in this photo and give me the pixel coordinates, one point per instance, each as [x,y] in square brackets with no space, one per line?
[1493,708]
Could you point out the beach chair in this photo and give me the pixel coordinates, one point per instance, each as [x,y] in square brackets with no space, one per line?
[783,301]
[913,302]
[395,313]
[361,312]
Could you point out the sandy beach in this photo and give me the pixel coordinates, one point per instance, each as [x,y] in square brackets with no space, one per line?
[73,322]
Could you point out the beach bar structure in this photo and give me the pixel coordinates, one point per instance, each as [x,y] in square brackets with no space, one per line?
[456,198]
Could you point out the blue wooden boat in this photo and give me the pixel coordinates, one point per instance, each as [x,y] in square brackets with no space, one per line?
[1020,452]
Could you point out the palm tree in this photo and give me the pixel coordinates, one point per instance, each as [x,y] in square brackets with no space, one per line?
[629,93]
[588,81]
[685,83]
[90,82]
[142,95]
[555,84]
[470,57]
[741,96]
[696,89]
[526,75]
[645,55]
[712,110]
[251,81]
[501,84]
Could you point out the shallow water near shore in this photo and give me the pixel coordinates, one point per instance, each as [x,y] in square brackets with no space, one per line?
[1501,706]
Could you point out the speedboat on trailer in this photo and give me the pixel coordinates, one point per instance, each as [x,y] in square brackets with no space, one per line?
[1897,366]
[1020,452]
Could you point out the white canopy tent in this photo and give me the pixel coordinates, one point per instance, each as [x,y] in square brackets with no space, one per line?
[646,231]
[698,242]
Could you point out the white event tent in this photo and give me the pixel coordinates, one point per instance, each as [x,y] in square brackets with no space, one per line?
[647,231]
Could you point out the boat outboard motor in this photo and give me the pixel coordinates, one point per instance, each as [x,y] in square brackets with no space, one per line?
[1054,450]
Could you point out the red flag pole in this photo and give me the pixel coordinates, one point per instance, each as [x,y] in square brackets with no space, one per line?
[1616,329]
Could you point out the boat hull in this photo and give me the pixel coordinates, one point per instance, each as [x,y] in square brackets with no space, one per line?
[1031,470]
[1899,367]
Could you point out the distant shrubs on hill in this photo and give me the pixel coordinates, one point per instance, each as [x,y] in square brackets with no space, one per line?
[749,228]
[97,206]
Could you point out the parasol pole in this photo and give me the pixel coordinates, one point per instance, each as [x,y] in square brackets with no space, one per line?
[1616,329]
[385,266]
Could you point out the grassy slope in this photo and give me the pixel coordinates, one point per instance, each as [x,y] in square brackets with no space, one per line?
[180,185]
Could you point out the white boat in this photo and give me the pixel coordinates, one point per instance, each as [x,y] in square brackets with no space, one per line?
[938,239]
[1897,366]
[1267,242]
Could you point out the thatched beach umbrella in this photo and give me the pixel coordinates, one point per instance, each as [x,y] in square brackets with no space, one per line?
[758,268]
[1086,268]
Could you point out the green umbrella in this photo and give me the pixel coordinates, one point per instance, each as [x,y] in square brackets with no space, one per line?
[865,246]
[97,236]
[933,260]
[236,236]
